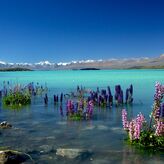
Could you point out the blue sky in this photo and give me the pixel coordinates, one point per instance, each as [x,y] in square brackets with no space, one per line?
[65,30]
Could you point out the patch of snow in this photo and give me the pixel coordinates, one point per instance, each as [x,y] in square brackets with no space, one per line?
[2,62]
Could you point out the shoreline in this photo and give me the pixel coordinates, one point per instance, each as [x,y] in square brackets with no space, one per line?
[17,69]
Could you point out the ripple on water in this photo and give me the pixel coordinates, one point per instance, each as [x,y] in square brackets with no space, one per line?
[41,128]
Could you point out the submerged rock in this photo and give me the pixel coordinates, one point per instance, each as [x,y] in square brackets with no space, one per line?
[11,156]
[72,153]
[5,125]
[89,128]
[45,148]
[102,127]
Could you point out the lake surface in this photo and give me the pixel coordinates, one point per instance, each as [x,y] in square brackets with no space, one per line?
[39,129]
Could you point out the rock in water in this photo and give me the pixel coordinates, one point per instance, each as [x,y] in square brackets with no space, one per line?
[102,127]
[45,148]
[11,156]
[5,125]
[69,153]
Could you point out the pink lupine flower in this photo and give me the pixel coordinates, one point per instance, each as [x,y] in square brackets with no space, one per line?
[159,128]
[140,119]
[131,129]
[134,126]
[138,125]
[137,130]
[70,105]
[124,120]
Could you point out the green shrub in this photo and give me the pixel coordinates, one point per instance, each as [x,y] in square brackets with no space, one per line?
[16,100]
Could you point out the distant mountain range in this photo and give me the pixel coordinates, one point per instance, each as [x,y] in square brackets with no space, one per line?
[129,63]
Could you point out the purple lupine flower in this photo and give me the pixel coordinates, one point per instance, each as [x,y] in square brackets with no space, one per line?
[67,108]
[116,96]
[109,91]
[110,100]
[97,90]
[46,97]
[45,101]
[96,95]
[69,105]
[106,98]
[159,91]
[120,98]
[61,97]
[116,92]
[162,110]
[103,92]
[0,93]
[89,98]
[127,95]
[61,111]
[76,107]
[98,101]
[54,98]
[131,89]
[81,104]
[73,107]
[90,108]
[57,98]
[117,89]
[78,88]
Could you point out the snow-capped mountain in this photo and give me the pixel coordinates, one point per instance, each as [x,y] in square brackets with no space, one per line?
[2,63]
[44,63]
[101,64]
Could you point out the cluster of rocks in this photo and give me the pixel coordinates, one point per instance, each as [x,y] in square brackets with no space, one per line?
[5,125]
[73,153]
[11,156]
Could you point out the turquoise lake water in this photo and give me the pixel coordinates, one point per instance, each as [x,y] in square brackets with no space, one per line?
[39,130]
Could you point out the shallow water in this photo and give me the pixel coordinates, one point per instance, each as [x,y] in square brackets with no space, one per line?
[39,130]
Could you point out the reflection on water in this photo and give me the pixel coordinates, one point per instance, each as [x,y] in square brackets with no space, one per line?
[40,129]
